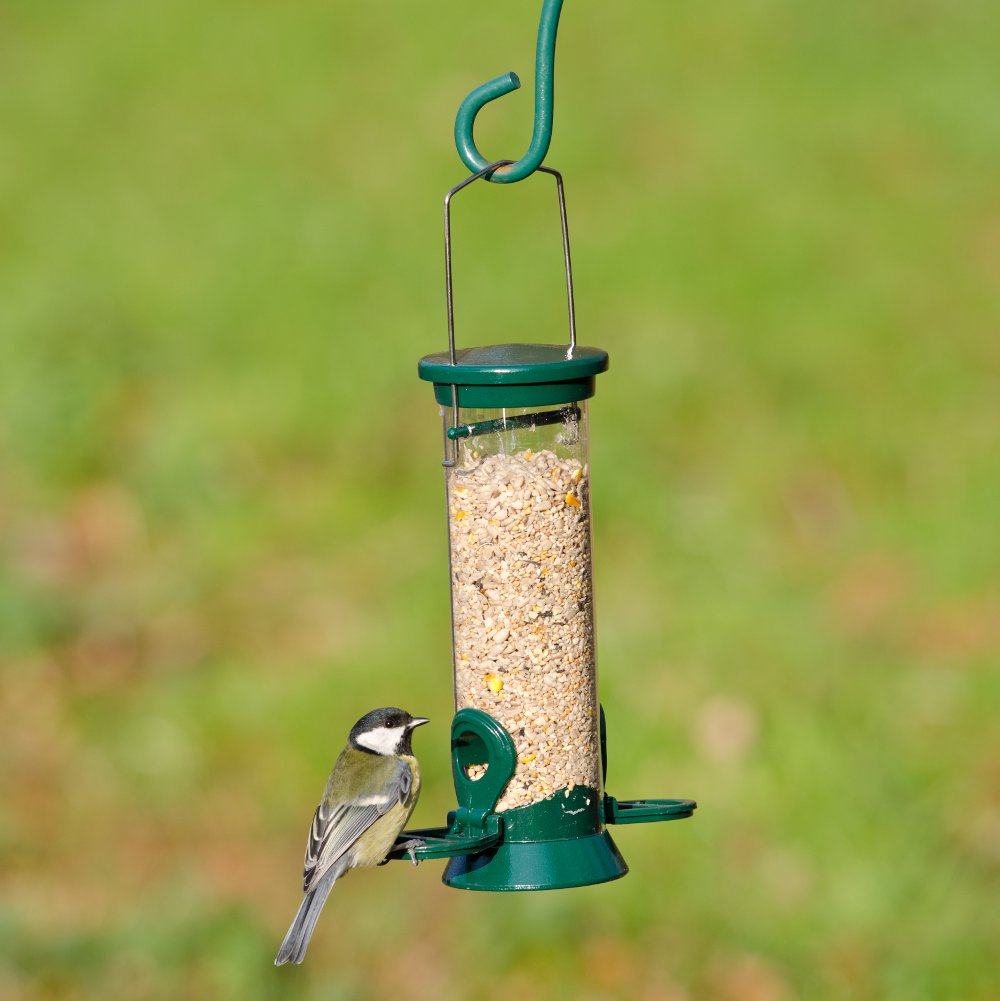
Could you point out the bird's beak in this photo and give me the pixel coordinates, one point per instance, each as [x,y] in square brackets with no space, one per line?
[417,721]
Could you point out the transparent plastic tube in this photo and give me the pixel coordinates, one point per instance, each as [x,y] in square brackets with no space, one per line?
[522,591]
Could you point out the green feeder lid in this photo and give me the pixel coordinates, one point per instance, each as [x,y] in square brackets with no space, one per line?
[514,375]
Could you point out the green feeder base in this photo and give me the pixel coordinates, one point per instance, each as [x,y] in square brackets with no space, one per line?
[539,865]
[550,845]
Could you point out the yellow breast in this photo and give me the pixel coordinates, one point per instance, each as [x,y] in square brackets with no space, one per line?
[373,846]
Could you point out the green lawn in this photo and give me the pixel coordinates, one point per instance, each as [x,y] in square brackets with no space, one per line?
[221,505]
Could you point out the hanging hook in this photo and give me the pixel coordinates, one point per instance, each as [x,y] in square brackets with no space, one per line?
[545,55]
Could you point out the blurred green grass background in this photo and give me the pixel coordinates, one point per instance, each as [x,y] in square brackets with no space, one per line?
[221,501]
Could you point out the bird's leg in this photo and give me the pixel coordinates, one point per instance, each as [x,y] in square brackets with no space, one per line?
[410,846]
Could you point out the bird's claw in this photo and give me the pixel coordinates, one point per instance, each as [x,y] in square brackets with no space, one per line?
[410,848]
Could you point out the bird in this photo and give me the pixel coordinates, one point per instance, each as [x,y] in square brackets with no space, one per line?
[369,797]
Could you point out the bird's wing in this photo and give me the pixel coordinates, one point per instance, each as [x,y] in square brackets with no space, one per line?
[337,826]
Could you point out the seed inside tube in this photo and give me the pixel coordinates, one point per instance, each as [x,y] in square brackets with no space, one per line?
[522,610]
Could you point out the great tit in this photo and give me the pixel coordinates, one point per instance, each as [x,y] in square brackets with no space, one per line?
[369,796]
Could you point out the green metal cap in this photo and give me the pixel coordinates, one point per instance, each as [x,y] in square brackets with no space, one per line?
[514,375]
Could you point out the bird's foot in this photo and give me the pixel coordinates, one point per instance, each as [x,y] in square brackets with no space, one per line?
[410,848]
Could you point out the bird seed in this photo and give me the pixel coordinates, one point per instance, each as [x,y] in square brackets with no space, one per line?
[522,610]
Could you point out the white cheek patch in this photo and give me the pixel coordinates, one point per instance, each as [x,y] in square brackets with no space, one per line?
[384,740]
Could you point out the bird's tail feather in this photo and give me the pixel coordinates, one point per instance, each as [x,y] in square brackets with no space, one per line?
[293,948]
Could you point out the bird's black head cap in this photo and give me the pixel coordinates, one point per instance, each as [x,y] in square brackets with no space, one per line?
[395,725]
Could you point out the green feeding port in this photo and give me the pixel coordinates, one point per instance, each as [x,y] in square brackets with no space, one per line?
[528,741]
[556,844]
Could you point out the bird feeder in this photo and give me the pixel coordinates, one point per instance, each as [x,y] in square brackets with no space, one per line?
[528,741]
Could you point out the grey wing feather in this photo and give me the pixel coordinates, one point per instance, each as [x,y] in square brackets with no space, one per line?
[335,828]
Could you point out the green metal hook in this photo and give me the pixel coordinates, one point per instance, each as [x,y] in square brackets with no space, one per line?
[545,56]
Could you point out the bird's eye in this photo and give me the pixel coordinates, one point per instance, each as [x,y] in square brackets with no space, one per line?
[387,725]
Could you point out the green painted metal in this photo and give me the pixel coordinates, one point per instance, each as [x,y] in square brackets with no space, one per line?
[539,394]
[515,423]
[558,843]
[551,845]
[514,375]
[570,813]
[554,844]
[646,811]
[539,865]
[478,739]
[513,364]
[444,842]
[541,136]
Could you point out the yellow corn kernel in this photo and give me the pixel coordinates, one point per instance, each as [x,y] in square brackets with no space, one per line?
[572,501]
[525,758]
[459,515]
[494,683]
[577,474]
